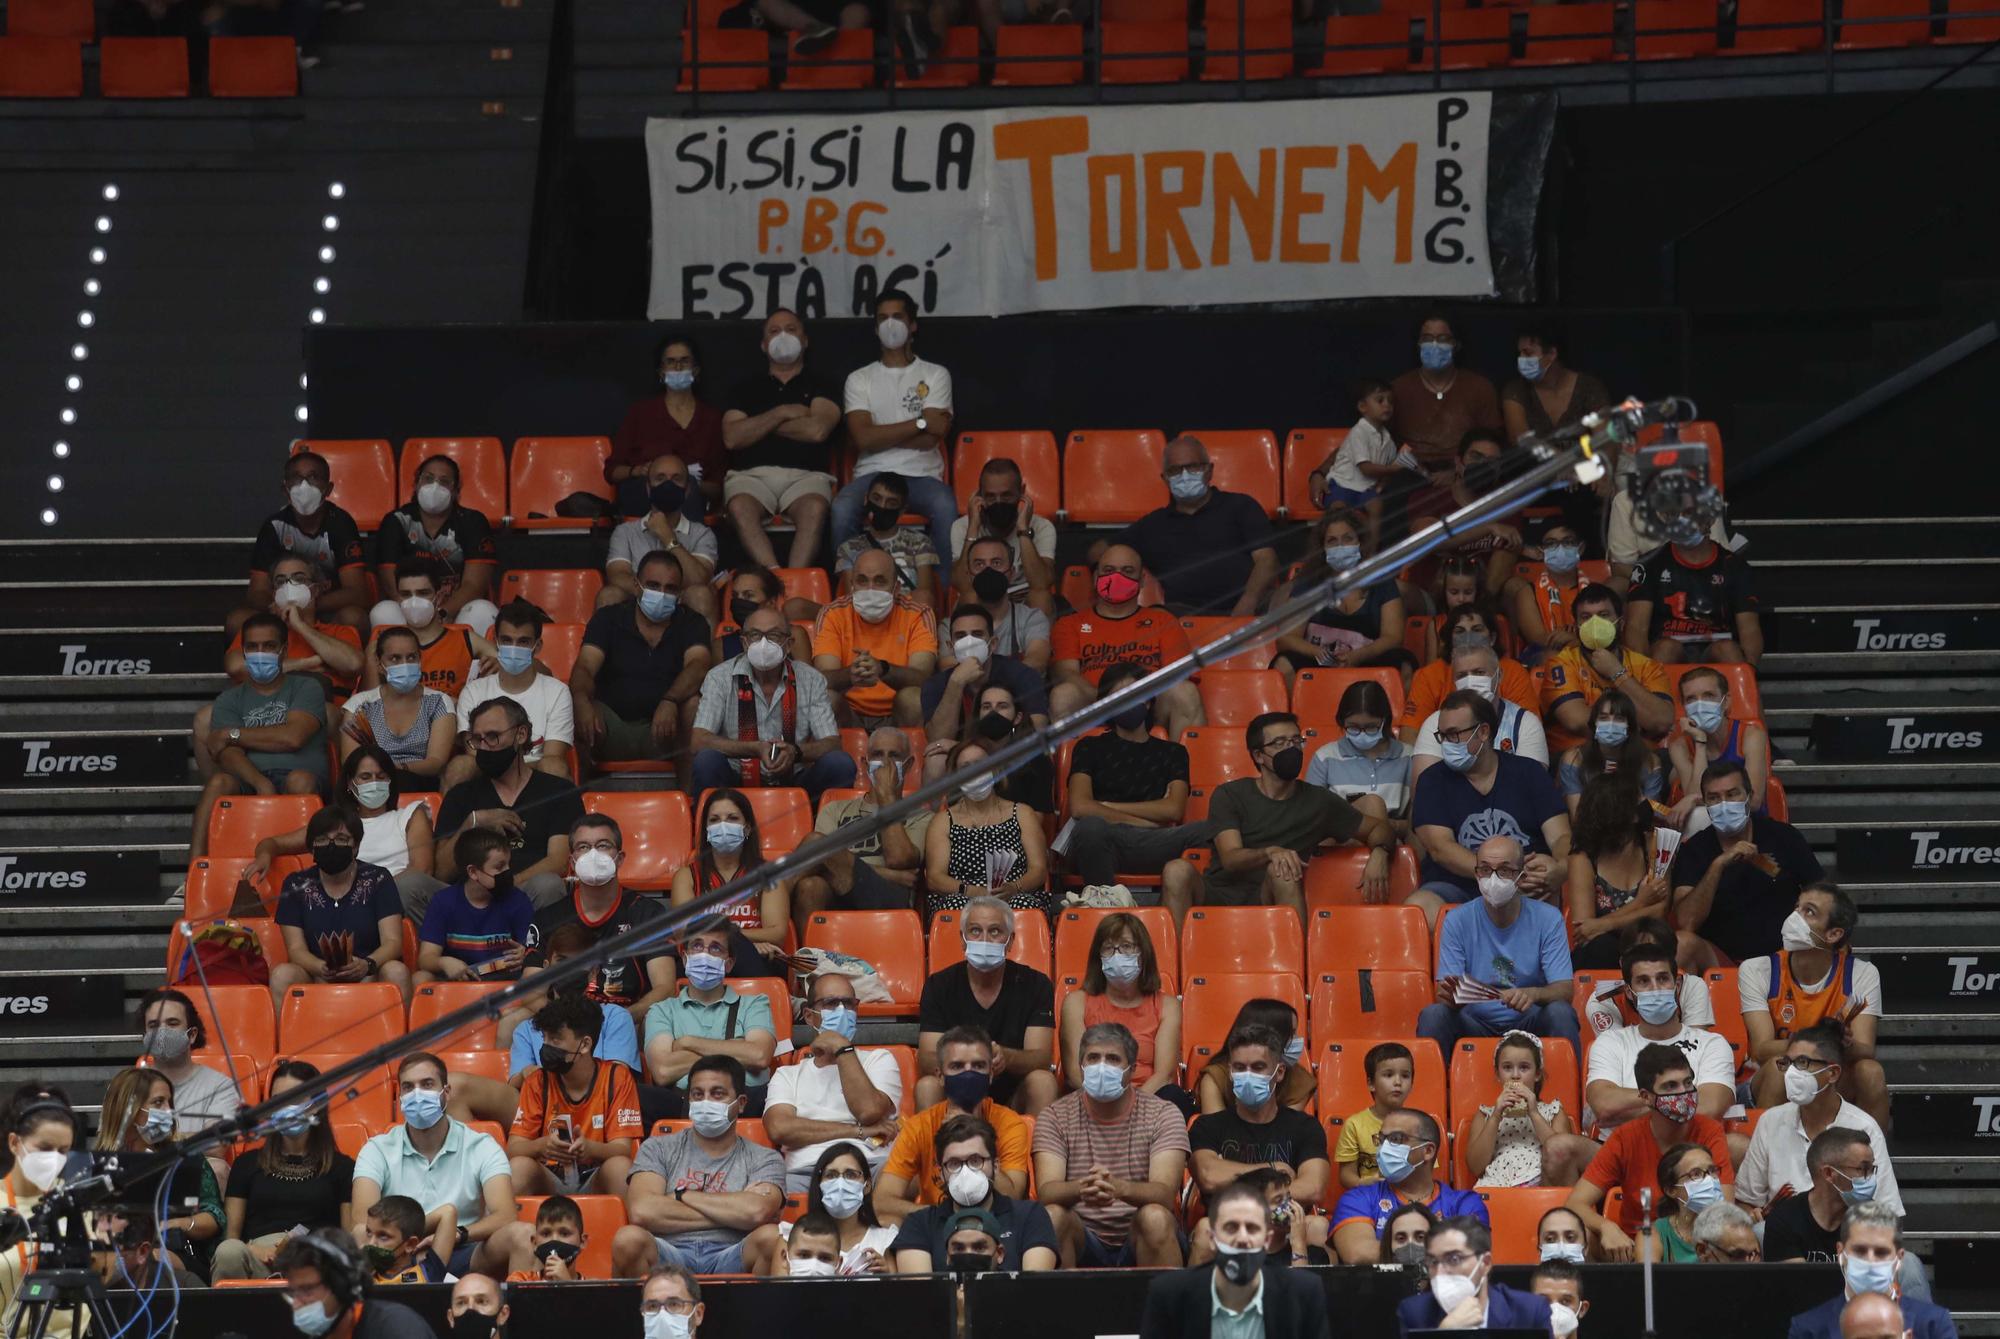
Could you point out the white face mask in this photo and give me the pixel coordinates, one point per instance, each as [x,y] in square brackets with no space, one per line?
[1800,1087]
[893,333]
[41,1167]
[785,347]
[418,610]
[1562,1321]
[873,605]
[814,1269]
[1481,684]
[1796,935]
[765,655]
[666,1325]
[291,594]
[1498,890]
[971,648]
[596,867]
[305,496]
[434,498]
[969,1186]
[1452,1289]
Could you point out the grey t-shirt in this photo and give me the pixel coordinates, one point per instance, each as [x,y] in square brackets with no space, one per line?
[631,541]
[1018,627]
[246,706]
[1302,821]
[203,1098]
[681,1163]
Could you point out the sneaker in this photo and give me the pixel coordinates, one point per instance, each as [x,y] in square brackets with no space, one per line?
[815,40]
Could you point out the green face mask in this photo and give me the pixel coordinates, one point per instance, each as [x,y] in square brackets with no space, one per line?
[380,1258]
[1597,632]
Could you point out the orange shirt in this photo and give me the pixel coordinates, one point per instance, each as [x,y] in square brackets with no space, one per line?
[1557,605]
[1631,1158]
[1143,1023]
[535,1275]
[608,1112]
[1794,1007]
[298,648]
[1432,684]
[447,661]
[839,632]
[1149,636]
[914,1154]
[1568,676]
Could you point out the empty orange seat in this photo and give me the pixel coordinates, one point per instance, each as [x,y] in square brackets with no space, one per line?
[849,62]
[1032,449]
[41,67]
[1037,55]
[1236,697]
[1569,34]
[142,67]
[806,583]
[433,1001]
[1364,1002]
[1876,24]
[1218,941]
[1474,39]
[545,470]
[238,822]
[565,594]
[75,20]
[1307,449]
[893,941]
[364,476]
[482,471]
[241,1021]
[1260,49]
[1673,30]
[1029,946]
[1356,44]
[1144,52]
[603,1215]
[726,60]
[952,65]
[1112,475]
[348,1018]
[1770,27]
[1246,461]
[253,67]
[1376,937]
[367,1105]
[658,827]
[1517,1212]
[1343,1079]
[1970,21]
[1075,927]
[560,644]
[212,880]
[1316,692]
[1333,878]
[488,1064]
[784,816]
[1209,1005]
[1215,755]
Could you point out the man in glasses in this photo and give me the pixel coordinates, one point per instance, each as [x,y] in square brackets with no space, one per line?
[1407,1155]
[670,1304]
[1725,1235]
[1504,965]
[765,719]
[1458,1256]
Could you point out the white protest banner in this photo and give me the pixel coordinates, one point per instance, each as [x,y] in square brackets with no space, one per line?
[1052,209]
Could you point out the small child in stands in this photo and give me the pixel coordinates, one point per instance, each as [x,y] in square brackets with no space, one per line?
[1392,1071]
[397,1250]
[1366,459]
[1503,1146]
[551,1254]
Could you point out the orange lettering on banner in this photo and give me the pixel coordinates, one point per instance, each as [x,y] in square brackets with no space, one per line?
[1039,142]
[1103,257]
[817,234]
[1256,209]
[1300,203]
[1397,176]
[1164,224]
[864,241]
[772,213]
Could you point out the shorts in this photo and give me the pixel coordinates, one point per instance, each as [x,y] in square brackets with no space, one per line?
[871,892]
[1449,892]
[1350,497]
[1093,1253]
[626,741]
[277,775]
[701,1257]
[773,486]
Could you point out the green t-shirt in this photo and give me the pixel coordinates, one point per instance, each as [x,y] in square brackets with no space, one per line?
[244,705]
[1309,816]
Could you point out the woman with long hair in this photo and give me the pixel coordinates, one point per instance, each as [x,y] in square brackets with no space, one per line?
[296,1177]
[41,1131]
[840,1190]
[728,844]
[1357,629]
[395,833]
[1122,984]
[1615,746]
[1612,886]
[138,1114]
[978,825]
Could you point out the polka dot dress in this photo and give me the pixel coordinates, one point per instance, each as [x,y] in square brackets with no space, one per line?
[969,847]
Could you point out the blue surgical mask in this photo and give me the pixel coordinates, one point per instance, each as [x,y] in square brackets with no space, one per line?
[1729,815]
[1434,357]
[658,605]
[705,970]
[1187,485]
[1294,1048]
[1364,739]
[1340,557]
[1655,1006]
[1859,1190]
[1868,1276]
[680,379]
[311,1319]
[1707,716]
[725,837]
[1529,368]
[666,1325]
[1458,754]
[1561,557]
[985,954]
[262,666]
[1395,1162]
[1104,1083]
[1701,1192]
[710,1119]
[423,1107]
[1120,967]
[371,794]
[842,1198]
[294,1121]
[515,659]
[159,1124]
[1610,733]
[1252,1090]
[403,678]
[840,1018]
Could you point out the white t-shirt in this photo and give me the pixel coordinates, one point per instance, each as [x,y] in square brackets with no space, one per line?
[1041,532]
[1753,985]
[385,838]
[814,1092]
[1777,1156]
[876,1239]
[546,701]
[1520,733]
[1367,442]
[1615,1056]
[897,395]
[1603,1015]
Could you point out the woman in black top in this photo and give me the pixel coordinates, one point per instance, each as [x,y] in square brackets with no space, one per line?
[297,1178]
[1361,628]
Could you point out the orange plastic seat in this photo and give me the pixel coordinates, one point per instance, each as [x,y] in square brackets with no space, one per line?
[364,476]
[366,1105]
[1031,448]
[1209,1005]
[1474,1084]
[1029,946]
[560,644]
[1343,1079]
[806,583]
[1347,938]
[490,1064]
[1517,1212]
[238,822]
[893,941]
[1075,927]
[565,594]
[241,1022]
[142,67]
[1333,878]
[1038,55]
[849,62]
[349,1018]
[75,20]
[726,60]
[482,470]
[1673,30]
[431,1002]
[253,67]
[41,67]
[180,964]
[1113,475]
[603,1215]
[1236,697]
[1723,994]
[1215,755]
[1474,39]
[545,470]
[658,826]
[1365,1002]
[1202,629]
[1355,44]
[1775,803]
[1316,692]
[1306,449]
[1219,941]
[1970,21]
[1745,703]
[784,816]
[1263,50]
[1143,52]
[955,64]
[1246,460]
[212,880]
[1772,27]
[1569,34]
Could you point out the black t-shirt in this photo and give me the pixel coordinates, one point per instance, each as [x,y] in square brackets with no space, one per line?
[1124,772]
[1202,558]
[1792,1233]
[1002,672]
[465,537]
[1024,1225]
[1750,906]
[762,393]
[622,980]
[547,806]
[391,1320]
[636,674]
[1292,1138]
[1695,603]
[1027,999]
[276,1203]
[337,545]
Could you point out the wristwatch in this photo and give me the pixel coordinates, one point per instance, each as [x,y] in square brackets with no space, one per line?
[845,1050]
[680,1194]
[923,424]
[235,734]
[463,1235]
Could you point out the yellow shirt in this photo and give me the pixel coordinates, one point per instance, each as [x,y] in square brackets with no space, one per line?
[840,632]
[1360,1135]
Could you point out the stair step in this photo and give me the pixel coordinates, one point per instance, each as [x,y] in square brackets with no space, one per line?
[1932,536]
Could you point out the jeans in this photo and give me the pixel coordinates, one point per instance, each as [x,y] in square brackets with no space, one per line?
[1446,1023]
[932,497]
[701,1257]
[831,770]
[1100,851]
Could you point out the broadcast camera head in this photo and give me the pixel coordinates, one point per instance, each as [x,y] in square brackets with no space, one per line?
[1673,492]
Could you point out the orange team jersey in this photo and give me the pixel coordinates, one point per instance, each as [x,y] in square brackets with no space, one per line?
[1794,1007]
[448,661]
[1556,604]
[914,1154]
[839,632]
[298,648]
[608,1112]
[1433,684]
[1567,677]
[1150,637]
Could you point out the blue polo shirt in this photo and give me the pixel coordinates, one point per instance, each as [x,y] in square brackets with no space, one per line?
[1373,1201]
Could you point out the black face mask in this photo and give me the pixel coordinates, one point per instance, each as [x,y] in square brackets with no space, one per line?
[1001,517]
[503,884]
[493,763]
[1239,1267]
[994,726]
[884,518]
[473,1325]
[741,607]
[565,1251]
[969,1262]
[554,1059]
[1288,763]
[333,858]
[990,585]
[667,496]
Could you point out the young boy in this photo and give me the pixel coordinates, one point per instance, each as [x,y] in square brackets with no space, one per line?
[813,1248]
[551,1253]
[1391,1073]
[397,1250]
[477,928]
[916,557]
[1353,475]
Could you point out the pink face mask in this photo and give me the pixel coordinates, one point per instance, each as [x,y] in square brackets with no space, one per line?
[1116,588]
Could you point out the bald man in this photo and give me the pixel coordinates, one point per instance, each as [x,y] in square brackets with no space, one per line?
[1871,1316]
[477,1308]
[876,646]
[1115,627]
[1211,549]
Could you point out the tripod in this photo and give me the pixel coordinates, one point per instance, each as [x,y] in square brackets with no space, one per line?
[47,1294]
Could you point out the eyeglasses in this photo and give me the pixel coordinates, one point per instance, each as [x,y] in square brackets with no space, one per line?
[752,638]
[491,739]
[1803,1065]
[1697,1174]
[979,1162]
[1280,745]
[606,845]
[1458,736]
[673,1306]
[1452,1260]
[1482,869]
[1856,1173]
[849,1174]
[1742,1255]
